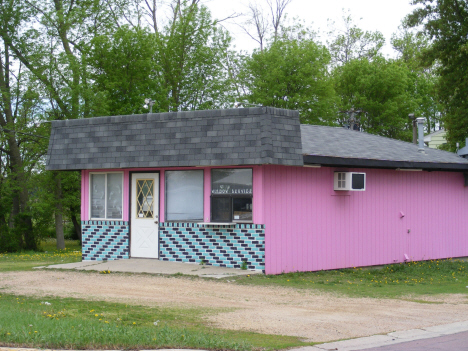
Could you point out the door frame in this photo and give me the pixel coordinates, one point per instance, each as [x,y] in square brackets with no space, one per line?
[130,180]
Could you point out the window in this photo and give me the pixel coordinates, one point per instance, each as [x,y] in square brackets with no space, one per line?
[144,198]
[231,195]
[184,195]
[106,195]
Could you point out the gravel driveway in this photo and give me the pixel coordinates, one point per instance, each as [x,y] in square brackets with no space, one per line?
[310,315]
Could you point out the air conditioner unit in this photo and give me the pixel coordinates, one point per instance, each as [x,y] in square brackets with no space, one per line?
[350,181]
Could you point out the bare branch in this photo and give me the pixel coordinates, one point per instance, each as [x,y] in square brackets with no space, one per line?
[277,11]
[152,9]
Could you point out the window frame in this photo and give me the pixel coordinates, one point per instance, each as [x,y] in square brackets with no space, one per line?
[166,197]
[105,196]
[231,197]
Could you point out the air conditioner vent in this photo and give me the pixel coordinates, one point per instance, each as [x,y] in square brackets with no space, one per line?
[349,181]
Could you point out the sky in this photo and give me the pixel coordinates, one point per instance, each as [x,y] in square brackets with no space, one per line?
[372,15]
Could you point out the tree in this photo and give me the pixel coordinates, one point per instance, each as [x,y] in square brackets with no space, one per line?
[46,39]
[124,72]
[446,24]
[11,101]
[383,90]
[192,52]
[410,47]
[354,43]
[292,74]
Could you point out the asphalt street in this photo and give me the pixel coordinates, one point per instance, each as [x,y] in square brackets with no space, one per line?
[454,342]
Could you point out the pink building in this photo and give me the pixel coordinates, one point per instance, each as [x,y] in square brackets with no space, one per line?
[253,185]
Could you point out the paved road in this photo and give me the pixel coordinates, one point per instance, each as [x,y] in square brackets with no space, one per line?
[454,342]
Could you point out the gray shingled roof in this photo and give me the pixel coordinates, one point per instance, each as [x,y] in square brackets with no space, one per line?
[260,135]
[339,146]
[245,136]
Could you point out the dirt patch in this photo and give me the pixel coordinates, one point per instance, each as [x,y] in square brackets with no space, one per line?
[309,315]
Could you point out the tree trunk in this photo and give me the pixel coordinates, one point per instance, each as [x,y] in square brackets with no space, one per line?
[59,212]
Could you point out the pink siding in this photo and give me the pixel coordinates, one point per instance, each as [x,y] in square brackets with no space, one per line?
[162,199]
[309,227]
[257,196]
[84,195]
[207,195]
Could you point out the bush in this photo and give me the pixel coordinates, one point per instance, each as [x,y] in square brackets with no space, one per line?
[8,240]
[69,232]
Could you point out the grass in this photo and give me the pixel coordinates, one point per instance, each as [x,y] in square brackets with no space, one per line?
[49,254]
[77,324]
[392,281]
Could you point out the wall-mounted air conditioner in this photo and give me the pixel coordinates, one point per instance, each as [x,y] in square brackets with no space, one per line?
[350,181]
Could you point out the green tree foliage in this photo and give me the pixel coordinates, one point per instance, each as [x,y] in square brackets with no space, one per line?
[292,74]
[181,66]
[354,43]
[192,53]
[410,47]
[123,71]
[383,90]
[446,24]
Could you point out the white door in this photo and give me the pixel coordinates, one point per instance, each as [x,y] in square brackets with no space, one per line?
[144,216]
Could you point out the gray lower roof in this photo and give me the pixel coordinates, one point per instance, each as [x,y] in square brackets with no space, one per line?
[245,136]
[343,147]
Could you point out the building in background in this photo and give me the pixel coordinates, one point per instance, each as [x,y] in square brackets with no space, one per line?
[436,139]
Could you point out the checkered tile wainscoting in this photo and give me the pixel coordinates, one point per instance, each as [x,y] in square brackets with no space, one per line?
[104,240]
[225,246]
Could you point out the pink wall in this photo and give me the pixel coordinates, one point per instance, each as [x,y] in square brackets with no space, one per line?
[310,227]
[257,191]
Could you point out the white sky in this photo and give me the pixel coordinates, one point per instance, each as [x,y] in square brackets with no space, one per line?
[382,15]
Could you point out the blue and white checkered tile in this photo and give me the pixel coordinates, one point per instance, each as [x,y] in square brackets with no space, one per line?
[104,240]
[225,246]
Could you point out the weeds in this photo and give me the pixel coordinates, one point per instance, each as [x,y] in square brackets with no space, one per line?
[396,280]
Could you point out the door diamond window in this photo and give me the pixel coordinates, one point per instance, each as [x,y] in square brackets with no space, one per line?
[144,198]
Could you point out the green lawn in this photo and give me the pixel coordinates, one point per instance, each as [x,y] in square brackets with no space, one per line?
[77,324]
[48,255]
[391,281]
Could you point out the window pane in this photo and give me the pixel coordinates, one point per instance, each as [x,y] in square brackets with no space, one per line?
[114,195]
[184,195]
[144,198]
[221,209]
[242,208]
[98,189]
[231,181]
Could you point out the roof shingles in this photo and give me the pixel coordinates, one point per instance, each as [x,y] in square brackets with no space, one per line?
[345,147]
[193,138]
[261,135]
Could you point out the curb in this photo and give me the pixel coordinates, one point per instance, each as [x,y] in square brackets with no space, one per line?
[390,338]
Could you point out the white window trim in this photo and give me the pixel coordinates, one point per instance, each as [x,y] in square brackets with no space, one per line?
[105,197]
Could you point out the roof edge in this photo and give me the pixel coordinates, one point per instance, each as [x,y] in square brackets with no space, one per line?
[367,163]
[166,116]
